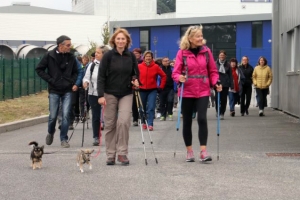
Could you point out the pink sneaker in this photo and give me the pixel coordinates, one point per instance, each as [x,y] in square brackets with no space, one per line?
[144,126]
[204,156]
[190,156]
[150,128]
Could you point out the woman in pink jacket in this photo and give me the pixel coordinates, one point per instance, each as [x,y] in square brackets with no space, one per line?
[202,74]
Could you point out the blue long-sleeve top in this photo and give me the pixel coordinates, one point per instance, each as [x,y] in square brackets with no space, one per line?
[78,82]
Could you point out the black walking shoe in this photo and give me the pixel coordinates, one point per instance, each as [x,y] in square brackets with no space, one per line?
[123,159]
[111,161]
[232,113]
[49,139]
[96,142]
[242,114]
[247,112]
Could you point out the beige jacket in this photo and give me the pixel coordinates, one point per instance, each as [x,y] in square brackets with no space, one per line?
[262,76]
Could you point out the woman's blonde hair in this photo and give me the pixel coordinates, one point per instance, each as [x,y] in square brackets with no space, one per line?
[190,32]
[125,33]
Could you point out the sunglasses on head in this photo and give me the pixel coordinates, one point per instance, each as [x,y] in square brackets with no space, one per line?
[193,28]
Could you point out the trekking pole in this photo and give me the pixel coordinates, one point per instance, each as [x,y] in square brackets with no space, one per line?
[84,117]
[140,123]
[218,123]
[178,118]
[87,110]
[185,73]
[146,121]
[77,121]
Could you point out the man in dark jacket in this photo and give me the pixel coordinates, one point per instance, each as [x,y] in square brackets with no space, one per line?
[247,70]
[59,68]
[166,95]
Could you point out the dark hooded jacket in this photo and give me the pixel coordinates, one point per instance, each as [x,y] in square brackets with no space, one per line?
[59,70]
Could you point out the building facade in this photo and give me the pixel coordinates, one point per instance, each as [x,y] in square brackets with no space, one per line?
[285,92]
[241,27]
[238,35]
[40,26]
[120,10]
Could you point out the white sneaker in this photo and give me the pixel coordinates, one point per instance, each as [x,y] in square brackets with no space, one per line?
[158,115]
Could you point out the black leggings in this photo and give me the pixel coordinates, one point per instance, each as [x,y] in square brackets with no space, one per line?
[187,112]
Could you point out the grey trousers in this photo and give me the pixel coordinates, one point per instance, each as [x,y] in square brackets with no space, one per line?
[117,117]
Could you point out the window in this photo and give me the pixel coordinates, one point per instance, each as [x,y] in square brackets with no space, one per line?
[297,48]
[257,34]
[165,6]
[144,39]
[218,37]
[291,39]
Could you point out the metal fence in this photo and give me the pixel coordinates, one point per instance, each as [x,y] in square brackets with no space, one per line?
[18,78]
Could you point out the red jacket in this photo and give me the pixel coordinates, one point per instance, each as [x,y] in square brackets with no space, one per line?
[148,76]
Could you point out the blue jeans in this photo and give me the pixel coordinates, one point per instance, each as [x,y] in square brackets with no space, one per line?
[233,99]
[96,115]
[54,100]
[149,100]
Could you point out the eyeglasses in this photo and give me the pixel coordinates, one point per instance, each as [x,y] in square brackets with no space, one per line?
[67,45]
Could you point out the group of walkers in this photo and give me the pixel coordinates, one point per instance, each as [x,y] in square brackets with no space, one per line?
[116,75]
[237,83]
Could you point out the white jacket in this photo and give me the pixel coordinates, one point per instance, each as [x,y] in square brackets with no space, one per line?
[92,80]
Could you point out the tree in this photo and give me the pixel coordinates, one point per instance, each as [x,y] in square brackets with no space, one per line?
[92,49]
[105,33]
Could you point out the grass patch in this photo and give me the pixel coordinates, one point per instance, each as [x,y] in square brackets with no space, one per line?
[24,107]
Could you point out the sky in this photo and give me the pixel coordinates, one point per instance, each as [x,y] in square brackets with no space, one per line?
[53,4]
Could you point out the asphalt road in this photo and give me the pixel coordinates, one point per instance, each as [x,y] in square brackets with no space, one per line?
[244,171]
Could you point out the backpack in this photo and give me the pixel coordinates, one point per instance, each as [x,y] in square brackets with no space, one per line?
[186,65]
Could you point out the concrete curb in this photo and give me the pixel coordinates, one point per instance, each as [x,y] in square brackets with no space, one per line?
[23,123]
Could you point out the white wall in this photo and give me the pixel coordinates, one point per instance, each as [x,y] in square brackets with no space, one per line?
[201,8]
[42,27]
[83,6]
[120,10]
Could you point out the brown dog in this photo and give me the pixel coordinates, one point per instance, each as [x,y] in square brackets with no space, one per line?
[83,157]
[36,155]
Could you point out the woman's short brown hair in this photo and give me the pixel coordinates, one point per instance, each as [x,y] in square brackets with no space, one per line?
[125,33]
[222,51]
[265,60]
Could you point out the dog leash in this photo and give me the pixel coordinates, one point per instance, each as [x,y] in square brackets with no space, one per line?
[100,134]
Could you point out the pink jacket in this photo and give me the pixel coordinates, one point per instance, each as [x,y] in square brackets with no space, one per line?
[196,86]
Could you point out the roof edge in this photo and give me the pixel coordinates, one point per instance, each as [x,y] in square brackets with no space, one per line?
[192,20]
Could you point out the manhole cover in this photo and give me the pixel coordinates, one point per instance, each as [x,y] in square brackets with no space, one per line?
[283,154]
